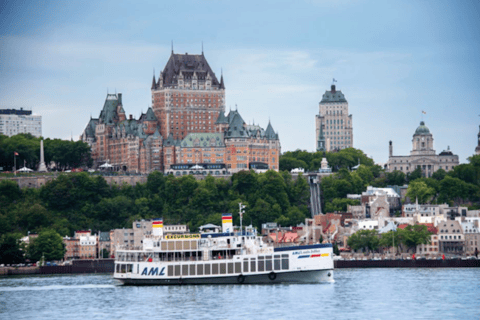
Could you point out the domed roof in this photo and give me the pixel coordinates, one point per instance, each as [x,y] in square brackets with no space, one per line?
[422,129]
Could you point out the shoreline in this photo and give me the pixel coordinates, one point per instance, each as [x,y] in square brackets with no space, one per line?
[107,266]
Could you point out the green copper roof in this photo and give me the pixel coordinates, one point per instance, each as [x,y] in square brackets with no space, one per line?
[333,96]
[269,133]
[422,129]
[203,140]
[235,127]
[150,116]
[108,115]
[221,118]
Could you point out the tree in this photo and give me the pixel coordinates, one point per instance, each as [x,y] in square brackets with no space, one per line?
[395,178]
[420,190]
[48,244]
[10,249]
[414,175]
[412,236]
[364,239]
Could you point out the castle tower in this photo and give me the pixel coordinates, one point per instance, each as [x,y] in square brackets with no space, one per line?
[188,98]
[334,120]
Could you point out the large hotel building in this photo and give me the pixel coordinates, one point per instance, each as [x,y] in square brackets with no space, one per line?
[15,121]
[186,129]
[333,123]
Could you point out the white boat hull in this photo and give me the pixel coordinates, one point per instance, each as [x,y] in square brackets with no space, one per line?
[311,276]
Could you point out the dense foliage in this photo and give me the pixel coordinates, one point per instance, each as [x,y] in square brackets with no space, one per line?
[65,154]
[81,201]
[460,186]
[345,158]
[407,238]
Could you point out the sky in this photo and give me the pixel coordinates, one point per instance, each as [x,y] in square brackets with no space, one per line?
[391,59]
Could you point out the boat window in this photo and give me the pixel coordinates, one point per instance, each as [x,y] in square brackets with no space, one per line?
[238,267]
[192,269]
[285,262]
[276,256]
[178,245]
[268,265]
[171,245]
[245,265]
[207,269]
[199,269]
[193,245]
[170,271]
[252,265]
[177,270]
[276,264]
[185,270]
[215,268]
[230,267]
[223,268]
[163,244]
[186,245]
[261,265]
[138,267]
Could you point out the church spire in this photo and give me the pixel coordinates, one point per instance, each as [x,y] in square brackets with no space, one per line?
[154,84]
[222,85]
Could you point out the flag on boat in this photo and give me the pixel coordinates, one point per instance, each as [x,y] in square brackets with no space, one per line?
[227,222]
[226,218]
[157,223]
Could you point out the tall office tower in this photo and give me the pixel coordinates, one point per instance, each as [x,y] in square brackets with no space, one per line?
[13,121]
[187,97]
[333,123]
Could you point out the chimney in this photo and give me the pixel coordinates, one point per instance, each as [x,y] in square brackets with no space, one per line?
[333,88]
[119,97]
[131,117]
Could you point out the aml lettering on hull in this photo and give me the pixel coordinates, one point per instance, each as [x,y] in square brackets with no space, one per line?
[153,272]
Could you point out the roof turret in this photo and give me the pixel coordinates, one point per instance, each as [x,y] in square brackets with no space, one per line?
[422,129]
[270,133]
[150,116]
[221,119]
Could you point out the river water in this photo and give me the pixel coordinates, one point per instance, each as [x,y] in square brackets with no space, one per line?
[356,294]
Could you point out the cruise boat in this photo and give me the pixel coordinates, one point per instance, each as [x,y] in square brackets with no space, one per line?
[225,257]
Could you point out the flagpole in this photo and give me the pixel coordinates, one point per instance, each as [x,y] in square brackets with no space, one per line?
[15,164]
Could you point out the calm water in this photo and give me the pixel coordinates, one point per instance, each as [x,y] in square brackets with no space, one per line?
[356,294]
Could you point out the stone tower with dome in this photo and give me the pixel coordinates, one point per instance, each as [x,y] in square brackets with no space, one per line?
[422,155]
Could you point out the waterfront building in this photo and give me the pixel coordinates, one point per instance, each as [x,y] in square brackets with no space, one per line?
[432,247]
[14,121]
[422,156]
[185,131]
[451,237]
[471,231]
[103,243]
[334,126]
[71,248]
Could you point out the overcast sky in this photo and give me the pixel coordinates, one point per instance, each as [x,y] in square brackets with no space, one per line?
[392,59]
